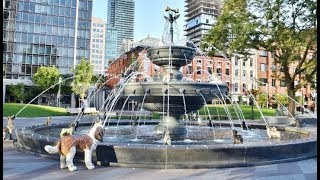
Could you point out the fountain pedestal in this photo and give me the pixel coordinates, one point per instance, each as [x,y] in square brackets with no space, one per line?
[177,129]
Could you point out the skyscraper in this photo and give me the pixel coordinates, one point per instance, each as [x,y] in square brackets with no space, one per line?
[97,55]
[42,33]
[121,17]
[111,44]
[200,16]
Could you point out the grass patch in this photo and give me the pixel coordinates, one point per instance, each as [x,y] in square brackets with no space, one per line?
[32,110]
[45,111]
[246,110]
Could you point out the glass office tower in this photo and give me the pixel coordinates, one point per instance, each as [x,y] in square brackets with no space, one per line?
[42,33]
[121,16]
[111,44]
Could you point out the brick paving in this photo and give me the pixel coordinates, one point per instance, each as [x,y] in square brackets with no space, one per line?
[18,165]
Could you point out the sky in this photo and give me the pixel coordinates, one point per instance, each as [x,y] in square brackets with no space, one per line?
[148,16]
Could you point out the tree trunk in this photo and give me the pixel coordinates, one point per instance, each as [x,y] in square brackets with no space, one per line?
[291,103]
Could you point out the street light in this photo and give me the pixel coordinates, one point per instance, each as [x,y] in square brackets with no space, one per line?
[59,92]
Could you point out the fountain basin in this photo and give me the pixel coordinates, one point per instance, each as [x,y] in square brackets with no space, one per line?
[180,55]
[156,92]
[178,156]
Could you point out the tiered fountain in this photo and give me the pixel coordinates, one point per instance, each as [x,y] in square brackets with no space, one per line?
[124,146]
[180,97]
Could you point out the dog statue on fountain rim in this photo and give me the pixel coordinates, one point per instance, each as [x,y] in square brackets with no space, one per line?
[273,133]
[9,128]
[67,145]
[70,130]
[166,137]
[237,139]
[48,121]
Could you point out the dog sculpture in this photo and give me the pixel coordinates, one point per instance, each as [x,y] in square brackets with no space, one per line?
[9,128]
[67,145]
[245,127]
[296,123]
[166,138]
[273,133]
[70,130]
[237,139]
[48,121]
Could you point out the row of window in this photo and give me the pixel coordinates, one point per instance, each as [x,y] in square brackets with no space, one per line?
[51,30]
[35,50]
[273,82]
[29,6]
[244,73]
[52,20]
[29,38]
[94,61]
[96,51]
[236,61]
[97,40]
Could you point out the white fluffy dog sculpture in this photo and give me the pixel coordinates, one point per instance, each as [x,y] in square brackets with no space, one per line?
[67,145]
[272,132]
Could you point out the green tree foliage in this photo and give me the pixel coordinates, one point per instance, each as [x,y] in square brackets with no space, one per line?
[262,100]
[282,99]
[46,77]
[83,74]
[285,27]
[18,92]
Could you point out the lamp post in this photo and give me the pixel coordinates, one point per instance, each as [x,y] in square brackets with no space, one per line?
[59,92]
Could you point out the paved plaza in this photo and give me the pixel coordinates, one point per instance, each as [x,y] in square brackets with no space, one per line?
[18,165]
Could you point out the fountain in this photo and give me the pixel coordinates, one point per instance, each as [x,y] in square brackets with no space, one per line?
[172,142]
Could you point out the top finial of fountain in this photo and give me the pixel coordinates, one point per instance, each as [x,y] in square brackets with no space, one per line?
[171,18]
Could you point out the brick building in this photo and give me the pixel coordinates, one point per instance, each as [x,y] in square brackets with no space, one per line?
[268,82]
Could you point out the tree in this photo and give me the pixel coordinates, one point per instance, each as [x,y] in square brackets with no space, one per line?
[83,74]
[262,99]
[18,92]
[285,27]
[46,77]
[282,99]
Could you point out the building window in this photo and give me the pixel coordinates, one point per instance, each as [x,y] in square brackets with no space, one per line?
[282,83]
[243,63]
[251,73]
[219,71]
[244,73]
[236,60]
[251,62]
[273,82]
[263,53]
[236,73]
[263,67]
[244,87]
[228,84]
[210,70]
[207,20]
[236,86]
[227,72]
[198,70]
[264,80]
[198,61]
[273,54]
